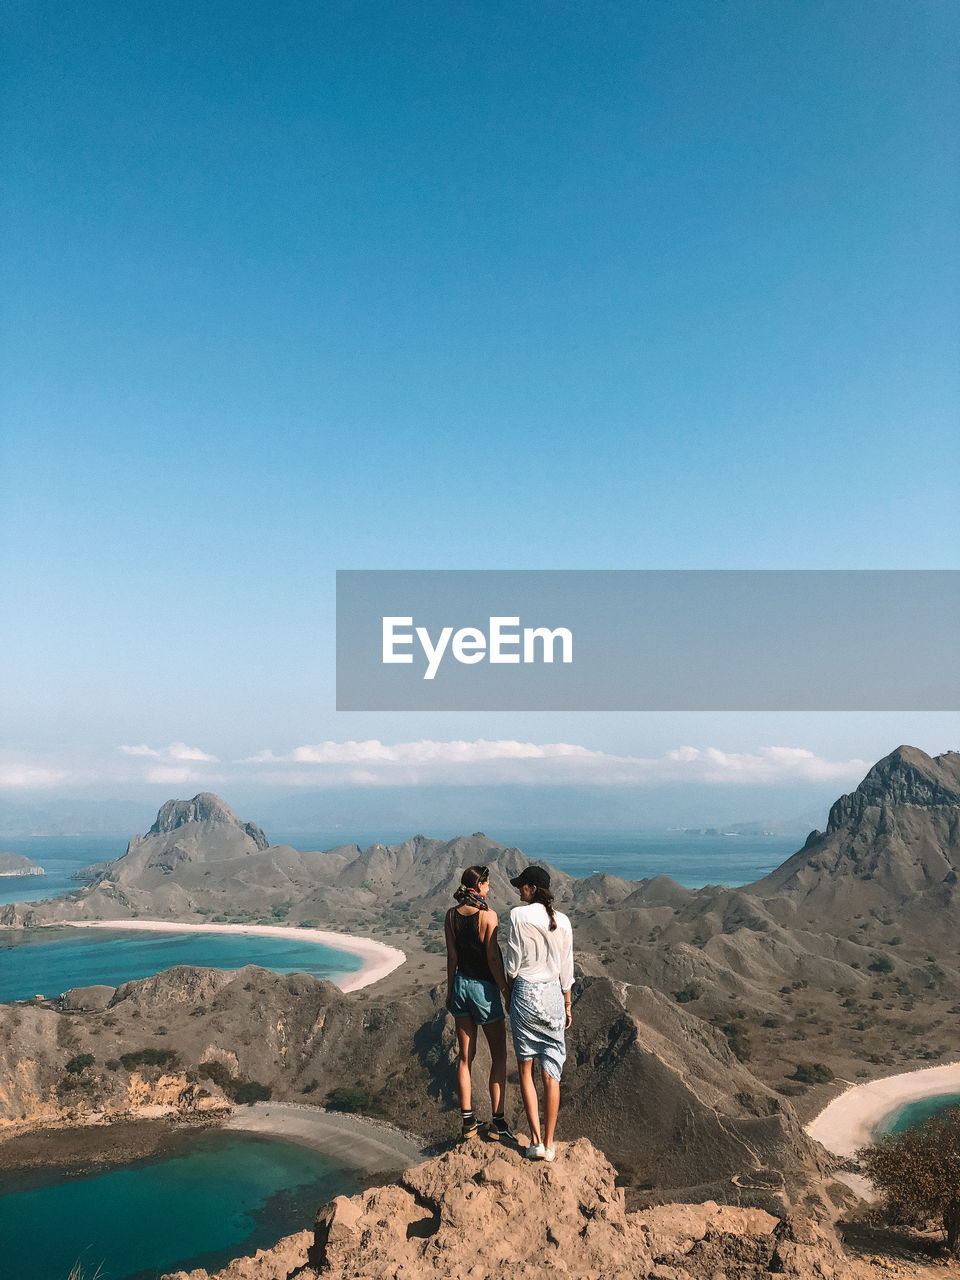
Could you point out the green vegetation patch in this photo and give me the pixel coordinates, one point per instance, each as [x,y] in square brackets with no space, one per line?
[245,1092]
[690,992]
[79,1062]
[347,1099]
[737,1040]
[812,1073]
[149,1058]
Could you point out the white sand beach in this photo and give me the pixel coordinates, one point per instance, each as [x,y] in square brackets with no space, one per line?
[364,1144]
[378,959]
[852,1120]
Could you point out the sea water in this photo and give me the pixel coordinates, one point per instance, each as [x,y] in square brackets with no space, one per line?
[50,961]
[217,1196]
[60,857]
[690,858]
[914,1113]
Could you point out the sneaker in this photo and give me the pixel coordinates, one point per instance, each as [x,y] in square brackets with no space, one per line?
[469,1130]
[548,1154]
[536,1152]
[500,1131]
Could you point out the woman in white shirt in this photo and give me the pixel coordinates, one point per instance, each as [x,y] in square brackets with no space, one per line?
[539,965]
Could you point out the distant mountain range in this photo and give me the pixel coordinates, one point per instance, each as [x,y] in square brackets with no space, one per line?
[783,808]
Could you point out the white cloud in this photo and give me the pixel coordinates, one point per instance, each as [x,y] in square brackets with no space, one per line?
[20,776]
[768,764]
[175,751]
[428,752]
[429,762]
[180,751]
[506,761]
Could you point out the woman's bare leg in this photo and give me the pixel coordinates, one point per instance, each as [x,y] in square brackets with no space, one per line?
[531,1103]
[496,1033]
[467,1047]
[551,1105]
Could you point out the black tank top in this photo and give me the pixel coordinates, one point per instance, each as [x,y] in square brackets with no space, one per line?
[472,959]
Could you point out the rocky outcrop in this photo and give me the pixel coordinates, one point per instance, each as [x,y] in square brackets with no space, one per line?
[15,864]
[86,999]
[905,776]
[154,1043]
[203,808]
[482,1210]
[892,845]
[91,871]
[193,856]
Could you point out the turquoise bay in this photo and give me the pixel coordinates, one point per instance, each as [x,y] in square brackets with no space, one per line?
[914,1113]
[52,960]
[217,1196]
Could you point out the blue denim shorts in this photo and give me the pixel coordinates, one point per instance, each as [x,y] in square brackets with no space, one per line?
[476,999]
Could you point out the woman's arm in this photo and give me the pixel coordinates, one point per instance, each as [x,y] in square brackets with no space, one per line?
[488,923]
[566,976]
[514,949]
[566,962]
[451,954]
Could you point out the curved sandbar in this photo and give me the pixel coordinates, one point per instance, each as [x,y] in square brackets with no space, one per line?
[370,1145]
[851,1121]
[378,959]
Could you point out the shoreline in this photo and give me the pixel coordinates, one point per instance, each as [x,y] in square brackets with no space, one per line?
[378,959]
[851,1120]
[371,1146]
[81,1149]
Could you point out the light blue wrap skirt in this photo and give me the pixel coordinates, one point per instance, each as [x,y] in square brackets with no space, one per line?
[537,1021]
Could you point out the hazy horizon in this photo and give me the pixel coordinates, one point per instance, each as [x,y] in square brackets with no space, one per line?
[387,813]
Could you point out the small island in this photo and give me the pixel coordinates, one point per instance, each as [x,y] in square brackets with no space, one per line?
[15,864]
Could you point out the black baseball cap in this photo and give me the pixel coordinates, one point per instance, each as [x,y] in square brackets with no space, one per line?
[537,876]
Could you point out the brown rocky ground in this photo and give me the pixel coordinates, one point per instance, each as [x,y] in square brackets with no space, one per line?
[482,1210]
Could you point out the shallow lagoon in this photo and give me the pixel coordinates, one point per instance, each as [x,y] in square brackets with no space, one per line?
[52,960]
[914,1113]
[213,1197]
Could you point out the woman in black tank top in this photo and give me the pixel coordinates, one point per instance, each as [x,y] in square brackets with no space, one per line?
[475,983]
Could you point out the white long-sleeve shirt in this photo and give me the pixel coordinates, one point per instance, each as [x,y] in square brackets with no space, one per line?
[537,952]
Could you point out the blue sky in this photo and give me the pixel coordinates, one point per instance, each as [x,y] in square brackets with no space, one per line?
[298,287]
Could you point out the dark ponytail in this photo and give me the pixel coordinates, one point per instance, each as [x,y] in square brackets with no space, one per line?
[470,880]
[545,898]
